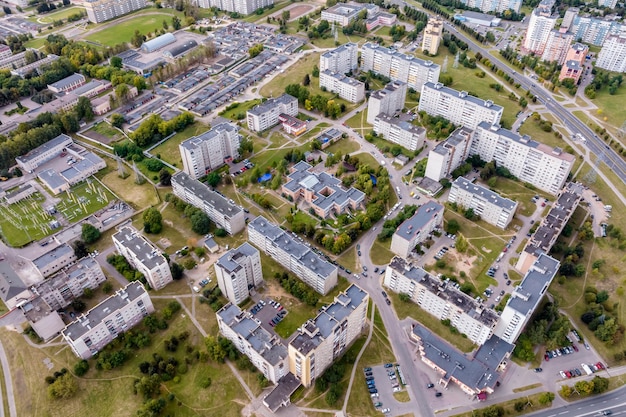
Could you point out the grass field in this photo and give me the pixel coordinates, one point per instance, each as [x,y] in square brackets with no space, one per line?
[612,107]
[83,199]
[380,253]
[35,43]
[106,130]
[509,406]
[138,196]
[24,221]
[531,128]
[240,109]
[344,146]
[123,32]
[61,14]
[168,150]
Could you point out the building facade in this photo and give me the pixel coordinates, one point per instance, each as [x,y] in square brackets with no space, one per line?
[389,100]
[265,115]
[342,60]
[540,25]
[55,260]
[42,154]
[593,30]
[449,154]
[102,10]
[490,206]
[67,84]
[612,56]
[574,66]
[417,228]
[238,271]
[206,152]
[557,46]
[244,7]
[432,35]
[345,13]
[346,87]
[400,132]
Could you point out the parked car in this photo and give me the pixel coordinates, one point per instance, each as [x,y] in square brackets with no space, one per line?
[538,370]
[438,394]
[389,365]
[430,385]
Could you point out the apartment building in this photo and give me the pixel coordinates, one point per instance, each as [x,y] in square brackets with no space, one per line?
[449,154]
[346,87]
[294,256]
[10,61]
[238,271]
[415,72]
[593,30]
[264,349]
[55,260]
[417,228]
[399,131]
[43,153]
[559,42]
[342,60]
[489,205]
[321,341]
[441,299]
[244,7]
[432,35]
[345,13]
[568,18]
[142,255]
[389,100]
[525,298]
[265,115]
[499,6]
[609,4]
[504,5]
[538,164]
[122,311]
[34,67]
[612,56]
[102,10]
[212,149]
[540,25]
[574,66]
[458,106]
[224,213]
[5,52]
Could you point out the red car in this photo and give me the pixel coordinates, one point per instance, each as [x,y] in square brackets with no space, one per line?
[568,374]
[599,365]
[575,348]
[546,357]
[505,249]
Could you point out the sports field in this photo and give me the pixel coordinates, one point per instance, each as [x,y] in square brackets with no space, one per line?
[122,32]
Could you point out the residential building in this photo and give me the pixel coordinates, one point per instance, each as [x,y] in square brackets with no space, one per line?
[417,228]
[35,67]
[389,100]
[399,131]
[5,52]
[441,299]
[238,271]
[574,66]
[432,35]
[55,260]
[480,19]
[538,164]
[449,154]
[321,191]
[265,115]
[342,60]
[321,341]
[559,42]
[102,10]
[493,5]
[593,30]
[67,84]
[504,5]
[345,13]
[609,4]
[612,56]
[122,311]
[540,25]
[525,298]
[244,7]
[265,350]
[224,213]
[294,256]
[458,107]
[415,72]
[43,153]
[568,18]
[489,205]
[346,87]
[142,255]
[210,150]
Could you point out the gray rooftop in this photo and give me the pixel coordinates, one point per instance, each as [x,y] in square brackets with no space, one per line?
[478,16]
[228,261]
[527,295]
[52,256]
[51,178]
[201,190]
[390,88]
[339,49]
[67,81]
[414,224]
[342,78]
[402,124]
[462,95]
[11,284]
[43,148]
[269,104]
[149,255]
[410,59]
[457,137]
[212,134]
[280,395]
[85,88]
[485,193]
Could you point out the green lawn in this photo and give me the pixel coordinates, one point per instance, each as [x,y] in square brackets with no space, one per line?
[123,32]
[239,109]
[138,196]
[348,259]
[168,150]
[612,109]
[61,14]
[344,146]
[24,221]
[107,130]
[359,122]
[380,253]
[531,128]
[517,192]
[35,43]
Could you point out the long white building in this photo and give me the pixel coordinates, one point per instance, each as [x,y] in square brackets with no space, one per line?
[43,153]
[294,256]
[540,25]
[458,106]
[494,5]
[389,100]
[490,206]
[417,228]
[346,87]
[343,59]
[244,7]
[612,56]
[237,271]
[204,153]
[449,154]
[102,10]
[400,132]
[398,67]
[265,115]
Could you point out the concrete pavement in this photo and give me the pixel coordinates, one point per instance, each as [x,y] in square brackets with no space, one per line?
[8,383]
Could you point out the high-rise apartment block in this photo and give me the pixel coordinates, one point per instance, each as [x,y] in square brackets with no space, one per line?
[540,25]
[399,131]
[609,4]
[612,56]
[142,255]
[389,100]
[432,35]
[489,205]
[266,114]
[343,59]
[594,30]
[346,87]
[557,46]
[568,18]
[206,152]
[449,154]
[244,7]
[323,340]
[458,106]
[574,65]
[237,271]
[101,10]
[294,256]
[398,67]
[500,6]
[417,228]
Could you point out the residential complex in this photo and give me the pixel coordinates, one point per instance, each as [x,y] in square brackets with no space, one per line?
[55,260]
[432,35]
[458,107]
[559,42]
[43,153]
[540,25]
[612,56]
[397,66]
[294,256]
[322,340]
[346,87]
[442,299]
[101,10]
[345,13]
[224,213]
[92,331]
[400,131]
[142,255]
[449,154]
[244,7]
[389,100]
[574,65]
[206,152]
[594,30]
[489,205]
[265,115]
[494,5]
[417,228]
[342,60]
[238,271]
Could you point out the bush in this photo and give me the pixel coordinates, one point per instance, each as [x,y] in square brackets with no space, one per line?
[81,368]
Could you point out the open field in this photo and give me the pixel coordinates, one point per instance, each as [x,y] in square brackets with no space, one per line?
[123,32]
[344,146]
[59,14]
[138,196]
[531,128]
[380,253]
[35,43]
[612,110]
[168,150]
[25,221]
[107,130]
[239,109]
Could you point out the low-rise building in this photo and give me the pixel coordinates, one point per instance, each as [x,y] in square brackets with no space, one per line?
[389,100]
[57,182]
[345,13]
[43,153]
[21,192]
[265,115]
[292,125]
[399,131]
[28,69]
[13,291]
[210,150]
[346,87]
[480,19]
[489,205]
[238,271]
[432,35]
[448,155]
[329,137]
[67,84]
[417,228]
[574,66]
[55,260]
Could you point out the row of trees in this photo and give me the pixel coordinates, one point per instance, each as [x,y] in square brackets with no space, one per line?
[200,222]
[297,288]
[317,102]
[154,128]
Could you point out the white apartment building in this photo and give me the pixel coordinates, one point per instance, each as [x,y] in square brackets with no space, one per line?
[5,52]
[400,132]
[264,349]
[122,311]
[610,4]
[43,153]
[389,100]
[441,299]
[346,87]
[559,42]
[490,206]
[265,115]
[343,59]
[323,340]
[540,25]
[244,7]
[142,255]
[504,5]
[594,30]
[417,228]
[224,213]
[432,35]
[541,165]
[398,67]
[457,106]
[11,61]
[206,152]
[500,6]
[449,154]
[612,56]
[237,271]
[294,256]
[101,10]
[568,19]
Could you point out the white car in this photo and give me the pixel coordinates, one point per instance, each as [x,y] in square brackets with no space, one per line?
[386,410]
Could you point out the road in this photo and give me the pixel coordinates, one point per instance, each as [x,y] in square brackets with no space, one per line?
[8,382]
[615,401]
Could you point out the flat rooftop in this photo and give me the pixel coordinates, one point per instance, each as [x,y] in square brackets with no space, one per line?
[414,224]
[484,193]
[463,95]
[52,256]
[270,104]
[527,295]
[460,135]
[202,191]
[44,148]
[148,254]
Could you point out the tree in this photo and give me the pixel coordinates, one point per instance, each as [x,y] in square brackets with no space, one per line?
[307,80]
[165,178]
[245,145]
[116,62]
[122,92]
[213,179]
[81,368]
[89,233]
[79,305]
[255,50]
[152,220]
[137,39]
[404,297]
[84,110]
[80,249]
[461,244]
[63,387]
[176,23]
[453,227]
[200,223]
[176,270]
[117,120]
[546,398]
[469,214]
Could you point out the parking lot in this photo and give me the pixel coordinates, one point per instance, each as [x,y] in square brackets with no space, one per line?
[382,381]
[267,310]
